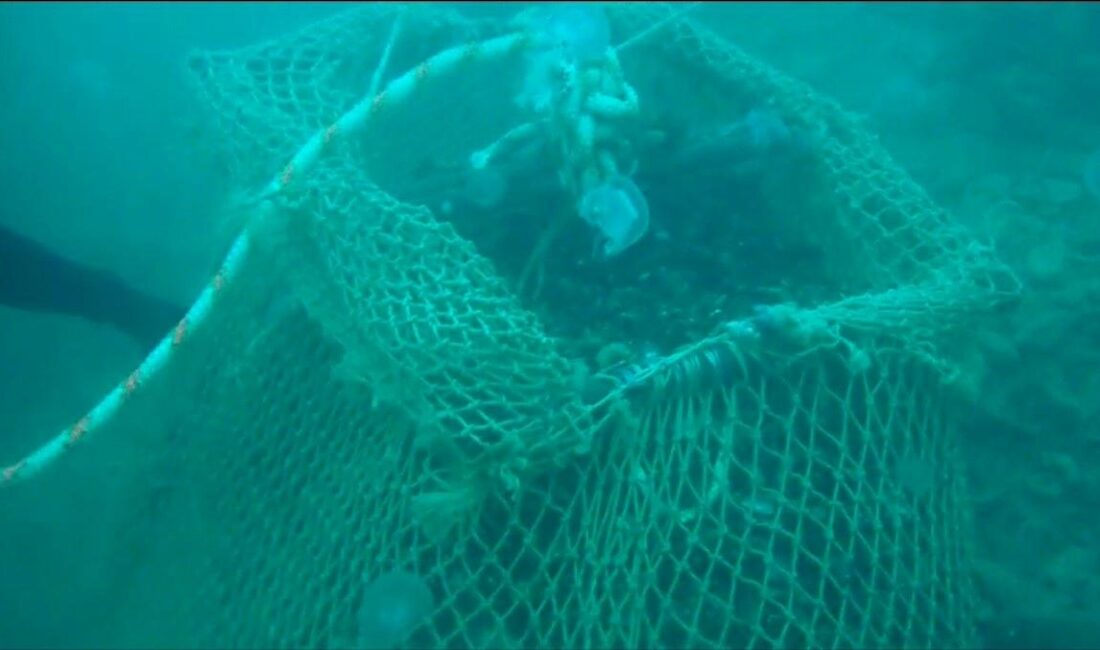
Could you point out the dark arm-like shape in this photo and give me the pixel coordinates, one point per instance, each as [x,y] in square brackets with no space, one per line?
[34,278]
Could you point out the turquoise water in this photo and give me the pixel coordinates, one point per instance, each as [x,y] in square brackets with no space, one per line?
[990,107]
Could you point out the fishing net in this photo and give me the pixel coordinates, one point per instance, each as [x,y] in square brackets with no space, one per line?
[397,381]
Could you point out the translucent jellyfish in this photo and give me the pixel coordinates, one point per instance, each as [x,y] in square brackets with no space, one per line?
[392,607]
[540,81]
[901,100]
[766,129]
[580,32]
[619,210]
[485,187]
[916,475]
[566,34]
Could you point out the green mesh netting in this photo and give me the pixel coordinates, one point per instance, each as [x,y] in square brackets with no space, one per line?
[385,390]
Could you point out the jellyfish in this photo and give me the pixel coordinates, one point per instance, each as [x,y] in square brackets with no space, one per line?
[579,32]
[765,129]
[393,605]
[619,210]
[760,132]
[566,34]
[485,187]
[540,82]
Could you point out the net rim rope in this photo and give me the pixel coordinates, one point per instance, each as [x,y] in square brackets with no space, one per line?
[392,95]
[395,93]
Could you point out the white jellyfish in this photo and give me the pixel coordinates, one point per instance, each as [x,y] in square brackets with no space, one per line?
[566,35]
[393,605]
[580,32]
[619,210]
[766,129]
[485,187]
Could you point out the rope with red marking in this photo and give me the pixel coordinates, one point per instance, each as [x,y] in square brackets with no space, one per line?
[152,364]
[396,92]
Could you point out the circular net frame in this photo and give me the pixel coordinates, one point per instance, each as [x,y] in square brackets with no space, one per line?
[395,386]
